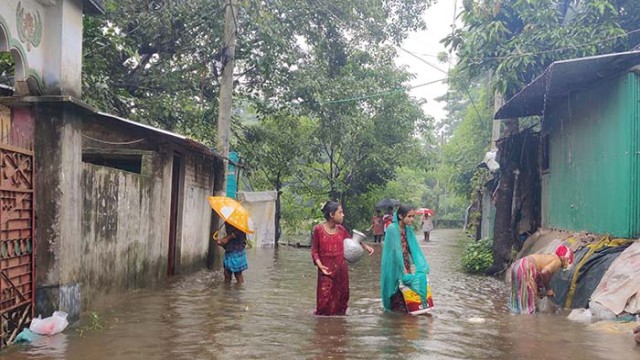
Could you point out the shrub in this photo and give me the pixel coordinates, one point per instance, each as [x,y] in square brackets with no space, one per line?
[478,256]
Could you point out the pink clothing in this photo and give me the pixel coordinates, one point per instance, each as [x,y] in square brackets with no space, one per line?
[378,225]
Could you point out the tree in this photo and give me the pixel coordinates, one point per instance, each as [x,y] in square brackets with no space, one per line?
[273,147]
[326,65]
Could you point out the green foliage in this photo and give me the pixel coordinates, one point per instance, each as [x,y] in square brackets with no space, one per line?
[516,40]
[478,255]
[328,116]
[464,151]
[7,68]
[95,323]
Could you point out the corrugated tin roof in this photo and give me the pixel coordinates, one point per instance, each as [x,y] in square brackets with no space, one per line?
[563,77]
[170,136]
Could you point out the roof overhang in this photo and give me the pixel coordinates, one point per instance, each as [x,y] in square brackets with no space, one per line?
[79,105]
[562,78]
[181,140]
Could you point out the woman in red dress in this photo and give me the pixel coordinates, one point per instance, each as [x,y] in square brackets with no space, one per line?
[327,252]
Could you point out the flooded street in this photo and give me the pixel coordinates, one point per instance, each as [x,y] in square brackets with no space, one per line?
[197,317]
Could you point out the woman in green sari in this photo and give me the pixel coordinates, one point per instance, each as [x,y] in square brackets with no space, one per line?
[402,261]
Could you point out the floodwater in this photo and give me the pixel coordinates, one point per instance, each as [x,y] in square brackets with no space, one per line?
[271,317]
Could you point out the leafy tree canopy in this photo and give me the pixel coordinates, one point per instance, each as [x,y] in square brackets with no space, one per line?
[516,40]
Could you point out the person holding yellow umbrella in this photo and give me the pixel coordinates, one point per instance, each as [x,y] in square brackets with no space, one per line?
[237,225]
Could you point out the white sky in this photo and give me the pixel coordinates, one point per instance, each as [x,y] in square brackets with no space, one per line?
[426,44]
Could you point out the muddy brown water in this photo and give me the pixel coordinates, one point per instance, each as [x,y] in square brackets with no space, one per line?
[270,317]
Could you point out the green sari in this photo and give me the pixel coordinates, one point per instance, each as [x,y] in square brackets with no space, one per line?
[392,271]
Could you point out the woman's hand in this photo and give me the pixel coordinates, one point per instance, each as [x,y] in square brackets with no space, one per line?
[324,269]
[368,248]
[550,293]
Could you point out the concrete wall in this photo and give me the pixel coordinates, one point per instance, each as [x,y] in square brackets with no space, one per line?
[45,38]
[102,231]
[59,208]
[196,215]
[125,227]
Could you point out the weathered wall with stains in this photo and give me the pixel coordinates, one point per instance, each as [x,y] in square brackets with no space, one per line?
[58,145]
[196,215]
[125,227]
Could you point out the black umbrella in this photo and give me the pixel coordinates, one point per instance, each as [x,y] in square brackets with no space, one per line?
[386,202]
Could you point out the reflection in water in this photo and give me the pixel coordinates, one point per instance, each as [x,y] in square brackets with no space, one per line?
[48,347]
[271,316]
[330,336]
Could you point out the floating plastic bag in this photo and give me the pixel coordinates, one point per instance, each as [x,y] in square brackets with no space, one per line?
[600,312]
[580,315]
[546,306]
[26,336]
[51,325]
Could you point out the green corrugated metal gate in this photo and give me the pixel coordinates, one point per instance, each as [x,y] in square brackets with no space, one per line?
[593,182]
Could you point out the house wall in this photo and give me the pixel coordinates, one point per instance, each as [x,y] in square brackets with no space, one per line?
[58,144]
[126,217]
[592,182]
[125,227]
[196,214]
[45,38]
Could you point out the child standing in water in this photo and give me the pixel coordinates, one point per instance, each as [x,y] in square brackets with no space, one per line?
[327,252]
[531,275]
[235,256]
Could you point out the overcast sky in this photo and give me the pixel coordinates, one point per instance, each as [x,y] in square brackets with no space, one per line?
[426,44]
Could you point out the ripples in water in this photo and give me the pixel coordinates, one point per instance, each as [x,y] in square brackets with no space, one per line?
[271,316]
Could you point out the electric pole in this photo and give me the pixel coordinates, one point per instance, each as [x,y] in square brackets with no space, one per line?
[225,107]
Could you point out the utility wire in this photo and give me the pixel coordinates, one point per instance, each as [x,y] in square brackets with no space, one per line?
[466,89]
[383,93]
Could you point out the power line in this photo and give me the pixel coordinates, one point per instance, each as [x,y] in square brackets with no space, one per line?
[384,93]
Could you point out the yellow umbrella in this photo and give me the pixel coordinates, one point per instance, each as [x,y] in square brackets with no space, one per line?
[232,212]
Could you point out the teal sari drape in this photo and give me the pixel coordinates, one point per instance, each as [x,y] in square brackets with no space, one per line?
[392,271]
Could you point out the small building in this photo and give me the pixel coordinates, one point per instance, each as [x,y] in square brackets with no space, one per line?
[92,204]
[145,214]
[589,150]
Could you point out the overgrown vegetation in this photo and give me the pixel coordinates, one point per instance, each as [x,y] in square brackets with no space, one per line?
[478,255]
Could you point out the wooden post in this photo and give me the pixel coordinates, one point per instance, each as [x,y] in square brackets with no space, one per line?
[225,107]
